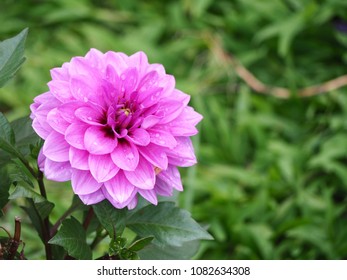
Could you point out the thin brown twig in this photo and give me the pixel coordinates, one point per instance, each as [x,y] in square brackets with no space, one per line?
[228,60]
[88,218]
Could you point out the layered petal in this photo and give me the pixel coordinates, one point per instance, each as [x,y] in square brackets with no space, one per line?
[92,198]
[83,182]
[74,135]
[97,141]
[155,155]
[143,177]
[102,167]
[57,171]
[56,148]
[183,154]
[79,158]
[125,156]
[116,127]
[119,188]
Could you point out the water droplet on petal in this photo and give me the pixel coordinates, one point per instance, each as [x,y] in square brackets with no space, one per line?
[130,156]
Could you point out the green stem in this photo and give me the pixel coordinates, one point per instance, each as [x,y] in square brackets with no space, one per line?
[88,218]
[98,238]
[45,223]
[71,209]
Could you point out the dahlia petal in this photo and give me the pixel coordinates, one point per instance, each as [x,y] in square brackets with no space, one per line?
[102,167]
[41,160]
[95,58]
[149,195]
[89,115]
[169,110]
[162,138]
[147,83]
[56,121]
[132,204]
[80,89]
[152,97]
[139,60]
[57,171]
[139,136]
[117,61]
[125,156]
[81,67]
[40,130]
[60,90]
[79,158]
[184,124]
[143,176]
[156,67]
[180,96]
[92,198]
[67,110]
[74,135]
[97,142]
[120,189]
[55,147]
[150,121]
[172,177]
[167,83]
[129,77]
[114,80]
[155,155]
[83,182]
[60,73]
[183,154]
[163,188]
[46,97]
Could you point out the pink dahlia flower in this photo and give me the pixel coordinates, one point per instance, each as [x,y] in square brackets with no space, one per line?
[115,126]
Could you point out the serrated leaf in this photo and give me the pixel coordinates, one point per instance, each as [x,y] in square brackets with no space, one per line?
[141,243]
[11,56]
[168,224]
[112,219]
[184,252]
[72,237]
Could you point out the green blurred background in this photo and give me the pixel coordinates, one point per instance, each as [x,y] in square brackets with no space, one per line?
[271,181]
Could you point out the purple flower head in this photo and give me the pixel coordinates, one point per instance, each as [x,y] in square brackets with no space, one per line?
[115,126]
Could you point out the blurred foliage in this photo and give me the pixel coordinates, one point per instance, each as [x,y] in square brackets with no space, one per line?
[271,182]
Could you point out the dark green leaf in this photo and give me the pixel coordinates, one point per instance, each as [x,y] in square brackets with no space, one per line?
[6,132]
[155,252]
[24,134]
[11,56]
[72,238]
[23,191]
[34,217]
[7,138]
[43,206]
[5,184]
[112,219]
[167,223]
[19,173]
[141,243]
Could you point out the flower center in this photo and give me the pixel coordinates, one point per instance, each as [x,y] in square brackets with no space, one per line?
[126,111]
